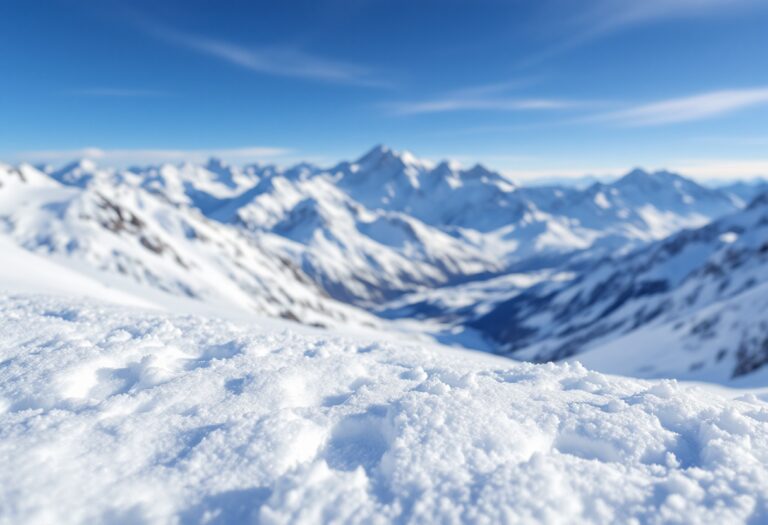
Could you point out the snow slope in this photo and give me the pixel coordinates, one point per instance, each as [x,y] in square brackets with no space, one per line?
[112,415]
[23,271]
[690,306]
[141,243]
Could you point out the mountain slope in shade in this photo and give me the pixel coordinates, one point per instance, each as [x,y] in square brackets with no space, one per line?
[746,191]
[702,290]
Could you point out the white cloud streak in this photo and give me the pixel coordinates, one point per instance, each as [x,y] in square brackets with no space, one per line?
[118,92]
[686,109]
[610,15]
[721,169]
[704,170]
[491,97]
[149,156]
[478,104]
[270,60]
[576,23]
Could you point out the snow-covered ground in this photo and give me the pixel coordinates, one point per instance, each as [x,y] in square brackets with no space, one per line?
[110,414]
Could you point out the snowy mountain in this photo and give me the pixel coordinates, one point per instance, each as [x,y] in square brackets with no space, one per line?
[389,224]
[445,250]
[747,191]
[356,254]
[118,415]
[702,292]
[128,237]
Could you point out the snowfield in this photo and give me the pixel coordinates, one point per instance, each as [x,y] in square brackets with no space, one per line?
[115,415]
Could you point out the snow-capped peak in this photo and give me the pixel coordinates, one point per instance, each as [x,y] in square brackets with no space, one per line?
[374,155]
[642,179]
[382,156]
[77,173]
[215,163]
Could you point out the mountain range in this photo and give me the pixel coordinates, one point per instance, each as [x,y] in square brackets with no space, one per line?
[604,273]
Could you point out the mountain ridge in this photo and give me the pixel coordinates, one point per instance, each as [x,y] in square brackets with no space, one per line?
[386,234]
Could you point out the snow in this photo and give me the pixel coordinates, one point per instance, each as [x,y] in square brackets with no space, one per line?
[691,306]
[728,237]
[185,399]
[116,415]
[601,201]
[26,272]
[707,343]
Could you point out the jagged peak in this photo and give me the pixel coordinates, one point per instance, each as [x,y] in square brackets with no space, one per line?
[759,201]
[378,154]
[447,166]
[216,164]
[381,154]
[642,176]
[479,170]
[83,164]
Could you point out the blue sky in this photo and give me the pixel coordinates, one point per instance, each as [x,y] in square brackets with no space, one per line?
[536,88]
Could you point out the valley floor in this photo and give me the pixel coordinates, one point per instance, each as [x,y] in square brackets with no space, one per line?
[118,415]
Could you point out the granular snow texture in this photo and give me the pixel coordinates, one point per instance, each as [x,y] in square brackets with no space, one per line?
[113,415]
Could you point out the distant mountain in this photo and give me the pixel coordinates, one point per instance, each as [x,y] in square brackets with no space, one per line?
[79,173]
[356,254]
[745,190]
[691,304]
[400,224]
[579,182]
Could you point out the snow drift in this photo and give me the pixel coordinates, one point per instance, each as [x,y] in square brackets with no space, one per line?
[115,415]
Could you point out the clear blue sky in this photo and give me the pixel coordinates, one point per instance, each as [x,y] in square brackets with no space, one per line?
[532,88]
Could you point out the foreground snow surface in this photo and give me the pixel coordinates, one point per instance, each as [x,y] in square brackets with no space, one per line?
[115,415]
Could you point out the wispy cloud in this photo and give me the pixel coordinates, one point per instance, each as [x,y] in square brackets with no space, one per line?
[709,169]
[490,97]
[576,23]
[141,156]
[721,168]
[494,104]
[275,60]
[118,92]
[690,108]
[605,16]
[734,140]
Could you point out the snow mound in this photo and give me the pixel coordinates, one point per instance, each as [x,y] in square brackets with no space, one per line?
[109,414]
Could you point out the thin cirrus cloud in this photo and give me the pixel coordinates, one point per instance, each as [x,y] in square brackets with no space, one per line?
[270,60]
[140,156]
[605,16]
[687,109]
[490,97]
[118,92]
[479,104]
[579,22]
